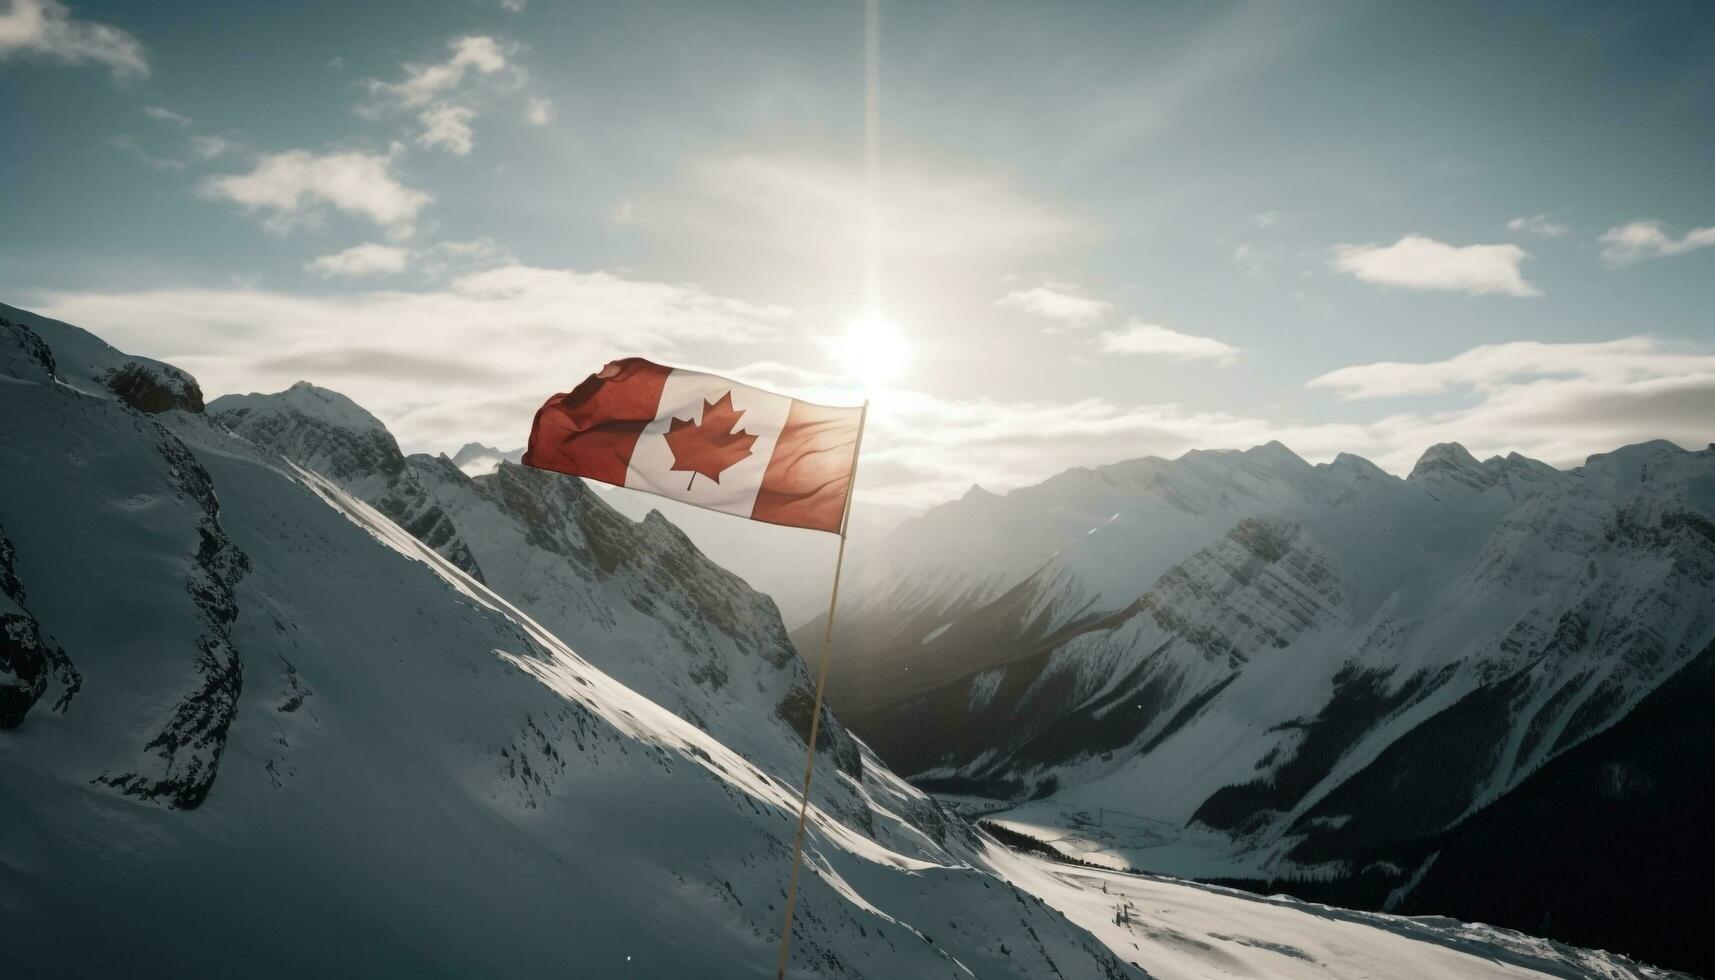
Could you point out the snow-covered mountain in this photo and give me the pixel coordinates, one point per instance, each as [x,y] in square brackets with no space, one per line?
[1240,665]
[476,459]
[635,597]
[254,726]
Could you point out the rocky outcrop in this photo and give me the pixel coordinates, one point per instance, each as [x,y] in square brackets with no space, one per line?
[183,756]
[23,353]
[153,388]
[30,662]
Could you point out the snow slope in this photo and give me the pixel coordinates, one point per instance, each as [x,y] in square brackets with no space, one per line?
[1181,931]
[306,743]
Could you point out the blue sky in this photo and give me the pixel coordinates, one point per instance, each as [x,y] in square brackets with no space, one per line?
[1105,230]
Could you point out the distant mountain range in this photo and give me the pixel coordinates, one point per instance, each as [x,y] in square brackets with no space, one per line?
[1241,666]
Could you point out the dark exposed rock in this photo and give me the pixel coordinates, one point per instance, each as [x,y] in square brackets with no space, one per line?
[24,353]
[794,709]
[153,388]
[29,661]
[296,690]
[187,749]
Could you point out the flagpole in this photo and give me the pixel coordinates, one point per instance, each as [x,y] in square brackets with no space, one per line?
[816,710]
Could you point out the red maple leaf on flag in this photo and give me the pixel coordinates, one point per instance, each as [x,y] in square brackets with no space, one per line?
[710,446]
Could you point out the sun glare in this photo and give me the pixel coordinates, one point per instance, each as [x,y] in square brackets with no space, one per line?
[875,351]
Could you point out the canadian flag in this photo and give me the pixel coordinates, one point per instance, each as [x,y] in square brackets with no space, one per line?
[705,440]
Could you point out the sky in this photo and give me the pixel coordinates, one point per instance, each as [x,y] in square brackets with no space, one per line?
[1100,231]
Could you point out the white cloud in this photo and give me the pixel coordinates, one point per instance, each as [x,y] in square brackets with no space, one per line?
[290,187]
[1555,402]
[1630,242]
[368,259]
[435,262]
[1622,361]
[166,115]
[209,147]
[1148,338]
[447,127]
[44,28]
[539,111]
[425,83]
[1539,224]
[444,258]
[1265,219]
[467,361]
[436,93]
[1056,301]
[1416,262]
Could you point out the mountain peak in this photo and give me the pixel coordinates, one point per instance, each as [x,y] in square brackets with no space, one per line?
[322,429]
[472,449]
[1273,447]
[303,398]
[476,458]
[1350,467]
[1446,452]
[1450,462]
[1632,465]
[1274,452]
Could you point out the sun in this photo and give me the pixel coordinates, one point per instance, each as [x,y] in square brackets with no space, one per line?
[874,351]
